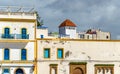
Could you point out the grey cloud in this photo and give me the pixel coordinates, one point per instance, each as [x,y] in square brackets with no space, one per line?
[86,14]
[18,3]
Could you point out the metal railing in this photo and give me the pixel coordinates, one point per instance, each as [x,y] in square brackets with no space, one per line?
[15,36]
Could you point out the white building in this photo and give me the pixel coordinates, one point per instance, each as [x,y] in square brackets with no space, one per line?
[94,34]
[17,42]
[67,28]
[42,32]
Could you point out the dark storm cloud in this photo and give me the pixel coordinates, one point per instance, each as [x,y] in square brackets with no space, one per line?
[103,14]
[18,3]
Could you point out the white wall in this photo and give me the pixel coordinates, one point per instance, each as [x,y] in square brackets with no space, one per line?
[92,52]
[103,35]
[15,50]
[43,32]
[71,32]
[67,31]
[15,28]
[27,68]
[18,15]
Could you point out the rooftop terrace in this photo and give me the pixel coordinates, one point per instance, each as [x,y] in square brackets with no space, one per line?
[20,12]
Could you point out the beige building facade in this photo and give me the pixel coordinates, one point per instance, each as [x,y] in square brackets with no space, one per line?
[74,56]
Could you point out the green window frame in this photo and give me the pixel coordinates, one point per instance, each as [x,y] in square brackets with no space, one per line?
[60,53]
[46,52]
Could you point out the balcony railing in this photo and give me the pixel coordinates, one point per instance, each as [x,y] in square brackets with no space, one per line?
[15,36]
[20,36]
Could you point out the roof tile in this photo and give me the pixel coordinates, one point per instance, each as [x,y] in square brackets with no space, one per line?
[67,22]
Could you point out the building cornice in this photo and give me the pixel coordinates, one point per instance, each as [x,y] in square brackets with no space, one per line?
[59,39]
[16,40]
[17,20]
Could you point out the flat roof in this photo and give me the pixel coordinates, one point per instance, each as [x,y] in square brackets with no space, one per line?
[17,9]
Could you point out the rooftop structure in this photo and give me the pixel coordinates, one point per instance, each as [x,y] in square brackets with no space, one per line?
[17,12]
[95,34]
[67,28]
[16,9]
[67,22]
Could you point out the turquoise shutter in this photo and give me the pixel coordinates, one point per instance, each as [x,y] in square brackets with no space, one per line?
[46,53]
[60,53]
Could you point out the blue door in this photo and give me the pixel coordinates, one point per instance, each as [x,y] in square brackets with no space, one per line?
[6,54]
[19,71]
[23,54]
[7,32]
[24,34]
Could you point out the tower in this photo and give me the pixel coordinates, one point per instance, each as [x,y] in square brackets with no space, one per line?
[67,28]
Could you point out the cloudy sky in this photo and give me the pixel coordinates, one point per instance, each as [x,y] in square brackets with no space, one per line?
[98,14]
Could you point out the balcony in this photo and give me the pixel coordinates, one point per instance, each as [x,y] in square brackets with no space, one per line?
[20,36]
[14,36]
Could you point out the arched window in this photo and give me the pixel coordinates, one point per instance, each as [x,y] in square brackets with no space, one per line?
[6,54]
[23,54]
[7,32]
[19,71]
[24,33]
[78,71]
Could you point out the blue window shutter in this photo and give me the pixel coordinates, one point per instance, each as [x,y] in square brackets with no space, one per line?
[6,71]
[60,53]
[46,53]
[6,54]
[24,33]
[6,32]
[23,54]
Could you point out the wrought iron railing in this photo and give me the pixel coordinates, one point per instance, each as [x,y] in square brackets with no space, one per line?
[15,36]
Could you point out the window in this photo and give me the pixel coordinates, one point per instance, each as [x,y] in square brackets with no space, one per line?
[19,71]
[107,37]
[88,37]
[24,33]
[6,54]
[60,53]
[23,54]
[6,32]
[46,53]
[53,68]
[6,71]
[81,36]
[104,69]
